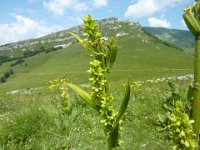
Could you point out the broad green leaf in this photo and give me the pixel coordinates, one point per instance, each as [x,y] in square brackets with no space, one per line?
[86,97]
[173,87]
[161,118]
[166,106]
[85,45]
[187,144]
[168,115]
[123,105]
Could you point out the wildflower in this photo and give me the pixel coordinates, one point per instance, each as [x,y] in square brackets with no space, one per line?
[60,85]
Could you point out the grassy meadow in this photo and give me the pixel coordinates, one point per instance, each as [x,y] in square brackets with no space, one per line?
[31,115]
[35,121]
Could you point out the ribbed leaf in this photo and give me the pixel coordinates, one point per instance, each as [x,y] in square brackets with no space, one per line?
[161,118]
[192,23]
[84,95]
[123,105]
[173,87]
[85,45]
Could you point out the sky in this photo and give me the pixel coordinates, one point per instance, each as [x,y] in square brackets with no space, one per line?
[25,19]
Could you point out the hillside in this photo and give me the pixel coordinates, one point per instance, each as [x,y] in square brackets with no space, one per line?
[34,117]
[180,38]
[140,55]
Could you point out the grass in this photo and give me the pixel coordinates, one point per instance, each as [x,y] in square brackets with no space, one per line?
[139,55]
[140,60]
[34,121]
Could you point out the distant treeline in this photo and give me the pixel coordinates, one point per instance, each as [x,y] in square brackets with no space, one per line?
[19,61]
[26,54]
[6,76]
[161,41]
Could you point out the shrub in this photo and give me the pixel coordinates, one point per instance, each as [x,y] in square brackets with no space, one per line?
[11,72]
[7,74]
[3,79]
[19,61]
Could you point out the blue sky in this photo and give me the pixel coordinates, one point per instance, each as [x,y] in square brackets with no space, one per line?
[24,19]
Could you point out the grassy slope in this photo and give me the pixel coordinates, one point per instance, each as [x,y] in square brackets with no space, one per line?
[139,59]
[181,38]
[142,60]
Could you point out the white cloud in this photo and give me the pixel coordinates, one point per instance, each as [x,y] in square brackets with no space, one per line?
[81,7]
[59,7]
[100,3]
[19,10]
[156,22]
[146,8]
[141,9]
[24,28]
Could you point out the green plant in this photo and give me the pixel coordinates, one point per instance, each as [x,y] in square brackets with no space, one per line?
[192,19]
[100,98]
[60,85]
[180,129]
[62,100]
[176,119]
[24,128]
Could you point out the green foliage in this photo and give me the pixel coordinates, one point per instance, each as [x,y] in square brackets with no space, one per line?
[100,99]
[176,120]
[21,129]
[6,75]
[80,128]
[124,105]
[2,79]
[85,96]
[11,72]
[4,59]
[60,85]
[17,62]
[181,129]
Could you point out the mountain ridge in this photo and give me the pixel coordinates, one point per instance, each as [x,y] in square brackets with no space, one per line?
[62,37]
[181,38]
[140,55]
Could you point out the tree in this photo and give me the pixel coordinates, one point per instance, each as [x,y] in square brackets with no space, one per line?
[7,74]
[11,72]
[41,49]
[2,79]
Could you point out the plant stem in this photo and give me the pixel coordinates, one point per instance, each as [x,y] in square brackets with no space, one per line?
[196,103]
[113,139]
